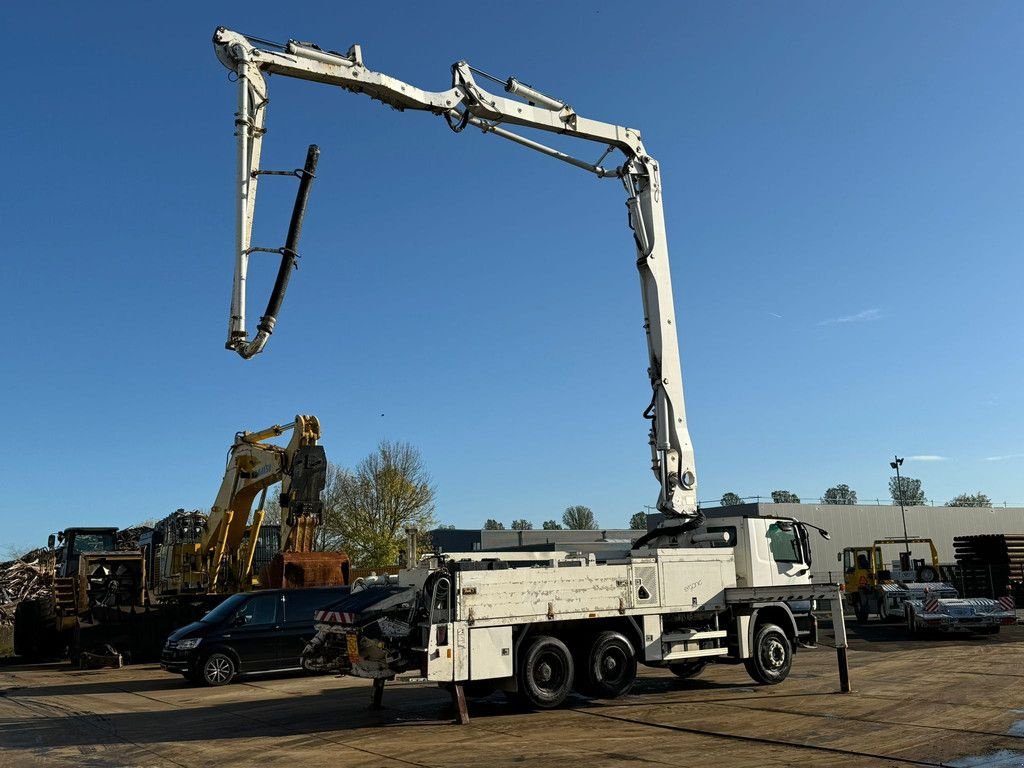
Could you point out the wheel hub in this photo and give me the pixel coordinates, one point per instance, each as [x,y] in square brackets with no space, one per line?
[774,654]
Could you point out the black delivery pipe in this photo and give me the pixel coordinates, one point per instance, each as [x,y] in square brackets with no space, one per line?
[290,252]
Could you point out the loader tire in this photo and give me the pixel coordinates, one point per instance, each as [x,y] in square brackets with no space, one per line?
[35,630]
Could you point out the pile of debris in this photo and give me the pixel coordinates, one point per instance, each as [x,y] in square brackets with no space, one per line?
[128,538]
[22,579]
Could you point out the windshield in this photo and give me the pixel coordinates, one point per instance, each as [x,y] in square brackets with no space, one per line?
[225,610]
[93,542]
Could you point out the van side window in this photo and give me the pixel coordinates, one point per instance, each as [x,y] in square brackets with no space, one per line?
[259,609]
[784,544]
[300,606]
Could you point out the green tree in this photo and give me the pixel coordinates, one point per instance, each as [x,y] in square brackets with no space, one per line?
[638,522]
[552,525]
[522,525]
[839,494]
[978,499]
[579,518]
[388,492]
[785,497]
[912,494]
[493,525]
[730,499]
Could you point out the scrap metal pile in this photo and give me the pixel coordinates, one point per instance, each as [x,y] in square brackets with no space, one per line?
[128,538]
[23,579]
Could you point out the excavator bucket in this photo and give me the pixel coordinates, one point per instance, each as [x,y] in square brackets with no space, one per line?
[289,570]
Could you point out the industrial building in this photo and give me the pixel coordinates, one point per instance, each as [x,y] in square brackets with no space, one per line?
[849,525]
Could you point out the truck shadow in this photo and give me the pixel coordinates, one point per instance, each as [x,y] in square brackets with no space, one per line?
[326,714]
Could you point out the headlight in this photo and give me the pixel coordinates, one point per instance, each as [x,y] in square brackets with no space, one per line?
[186,645]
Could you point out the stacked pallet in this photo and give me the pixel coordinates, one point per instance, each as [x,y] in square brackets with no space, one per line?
[990,562]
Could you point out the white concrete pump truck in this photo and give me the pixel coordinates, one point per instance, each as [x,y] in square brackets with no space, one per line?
[541,625]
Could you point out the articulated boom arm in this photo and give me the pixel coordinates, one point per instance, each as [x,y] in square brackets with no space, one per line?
[466,103]
[253,466]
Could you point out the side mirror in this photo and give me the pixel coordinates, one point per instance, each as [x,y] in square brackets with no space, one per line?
[51,540]
[240,620]
[824,534]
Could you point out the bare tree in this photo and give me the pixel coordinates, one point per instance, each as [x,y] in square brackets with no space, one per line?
[579,517]
[389,491]
[522,525]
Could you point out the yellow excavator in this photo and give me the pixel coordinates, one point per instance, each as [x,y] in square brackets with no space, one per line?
[190,553]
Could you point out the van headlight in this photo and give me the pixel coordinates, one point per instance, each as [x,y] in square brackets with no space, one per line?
[187,645]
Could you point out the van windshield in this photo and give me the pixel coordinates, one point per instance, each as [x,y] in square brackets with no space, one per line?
[225,610]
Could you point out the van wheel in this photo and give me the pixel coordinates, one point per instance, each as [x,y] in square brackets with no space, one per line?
[545,673]
[773,656]
[218,669]
[684,670]
[610,669]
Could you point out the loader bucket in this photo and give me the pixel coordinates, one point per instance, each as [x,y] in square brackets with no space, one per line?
[289,570]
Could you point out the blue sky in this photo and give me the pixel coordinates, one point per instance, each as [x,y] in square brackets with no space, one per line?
[843,196]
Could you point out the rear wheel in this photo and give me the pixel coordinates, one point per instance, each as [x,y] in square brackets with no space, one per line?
[773,656]
[610,669]
[687,669]
[546,673]
[218,669]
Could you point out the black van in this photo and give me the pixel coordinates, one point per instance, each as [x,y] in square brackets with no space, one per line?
[249,632]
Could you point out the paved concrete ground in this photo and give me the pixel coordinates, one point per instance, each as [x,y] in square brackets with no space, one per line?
[916,703]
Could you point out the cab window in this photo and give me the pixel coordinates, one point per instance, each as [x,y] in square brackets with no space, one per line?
[260,609]
[784,544]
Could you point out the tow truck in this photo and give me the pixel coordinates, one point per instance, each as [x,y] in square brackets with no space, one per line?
[542,624]
[910,590]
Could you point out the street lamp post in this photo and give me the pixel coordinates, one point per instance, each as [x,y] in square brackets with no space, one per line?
[899,489]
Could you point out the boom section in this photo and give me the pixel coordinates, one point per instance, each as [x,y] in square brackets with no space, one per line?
[466,103]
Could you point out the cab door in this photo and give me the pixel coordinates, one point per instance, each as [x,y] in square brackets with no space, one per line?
[786,550]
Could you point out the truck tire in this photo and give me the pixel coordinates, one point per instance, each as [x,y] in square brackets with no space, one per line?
[684,670]
[545,675]
[773,656]
[217,669]
[610,668]
[927,574]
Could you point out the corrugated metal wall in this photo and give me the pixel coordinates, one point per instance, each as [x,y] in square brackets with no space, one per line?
[854,525]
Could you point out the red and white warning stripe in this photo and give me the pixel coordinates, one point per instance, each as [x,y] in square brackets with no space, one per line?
[1007,603]
[931,605]
[334,617]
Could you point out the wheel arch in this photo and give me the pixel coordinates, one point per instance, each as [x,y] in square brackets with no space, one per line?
[778,614]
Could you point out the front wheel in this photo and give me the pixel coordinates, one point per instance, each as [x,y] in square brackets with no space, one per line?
[218,669]
[546,673]
[773,656]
